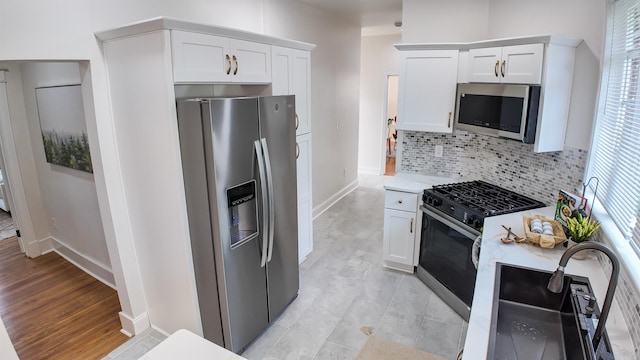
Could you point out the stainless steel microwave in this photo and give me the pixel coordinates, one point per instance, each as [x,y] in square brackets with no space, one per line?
[509,111]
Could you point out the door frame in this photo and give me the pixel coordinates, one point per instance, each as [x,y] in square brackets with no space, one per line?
[18,206]
[383,158]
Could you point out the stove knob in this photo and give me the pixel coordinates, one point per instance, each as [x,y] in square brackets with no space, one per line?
[477,224]
[437,202]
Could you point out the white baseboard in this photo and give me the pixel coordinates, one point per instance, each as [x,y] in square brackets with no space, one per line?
[86,264]
[325,205]
[131,327]
[45,245]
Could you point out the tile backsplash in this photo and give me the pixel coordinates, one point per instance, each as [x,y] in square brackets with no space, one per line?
[508,163]
[515,166]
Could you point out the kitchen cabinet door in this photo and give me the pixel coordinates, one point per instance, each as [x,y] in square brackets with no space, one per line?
[517,64]
[291,74]
[251,62]
[399,239]
[301,84]
[199,58]
[305,205]
[202,58]
[522,64]
[281,82]
[427,90]
[484,65]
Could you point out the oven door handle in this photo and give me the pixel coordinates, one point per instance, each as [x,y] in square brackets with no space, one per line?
[464,230]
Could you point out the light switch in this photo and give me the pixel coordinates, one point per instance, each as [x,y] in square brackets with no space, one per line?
[439,150]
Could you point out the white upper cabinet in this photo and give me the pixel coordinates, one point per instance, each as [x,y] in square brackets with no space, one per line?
[427,90]
[517,64]
[429,74]
[203,58]
[291,74]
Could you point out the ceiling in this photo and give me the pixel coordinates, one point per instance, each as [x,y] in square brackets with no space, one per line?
[376,17]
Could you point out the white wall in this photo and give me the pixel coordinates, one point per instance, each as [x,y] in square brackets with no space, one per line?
[33,30]
[378,60]
[335,74]
[26,166]
[68,195]
[432,21]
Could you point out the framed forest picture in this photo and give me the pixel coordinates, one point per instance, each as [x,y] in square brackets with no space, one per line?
[63,126]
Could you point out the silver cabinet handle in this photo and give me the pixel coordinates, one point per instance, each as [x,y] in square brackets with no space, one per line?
[272,222]
[228,63]
[411,227]
[265,208]
[495,68]
[502,67]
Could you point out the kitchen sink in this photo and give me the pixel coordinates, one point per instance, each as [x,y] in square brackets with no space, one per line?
[530,322]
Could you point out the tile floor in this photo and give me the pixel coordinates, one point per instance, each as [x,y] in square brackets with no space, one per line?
[137,346]
[345,291]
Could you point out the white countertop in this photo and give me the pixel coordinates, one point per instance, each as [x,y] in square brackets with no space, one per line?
[7,351]
[184,344]
[416,183]
[493,250]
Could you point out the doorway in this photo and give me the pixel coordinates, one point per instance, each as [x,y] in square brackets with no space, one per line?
[7,224]
[391,134]
[54,203]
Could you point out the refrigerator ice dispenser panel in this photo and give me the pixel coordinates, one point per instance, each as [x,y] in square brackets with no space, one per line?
[243,213]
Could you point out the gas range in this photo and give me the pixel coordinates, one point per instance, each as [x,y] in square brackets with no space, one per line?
[470,202]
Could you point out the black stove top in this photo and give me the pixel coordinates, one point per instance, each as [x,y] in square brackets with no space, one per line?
[470,202]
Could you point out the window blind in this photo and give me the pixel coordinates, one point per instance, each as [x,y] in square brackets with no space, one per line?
[615,153]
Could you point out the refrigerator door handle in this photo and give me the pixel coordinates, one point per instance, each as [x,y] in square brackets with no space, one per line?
[267,160]
[265,209]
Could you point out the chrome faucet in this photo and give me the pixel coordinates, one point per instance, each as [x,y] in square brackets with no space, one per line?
[557,281]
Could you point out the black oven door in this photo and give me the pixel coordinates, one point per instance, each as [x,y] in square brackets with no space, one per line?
[445,256]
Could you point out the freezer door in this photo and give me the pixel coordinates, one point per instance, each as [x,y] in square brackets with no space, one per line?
[277,128]
[230,129]
[199,213]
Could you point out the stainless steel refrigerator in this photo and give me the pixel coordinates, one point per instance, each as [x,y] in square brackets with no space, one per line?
[239,166]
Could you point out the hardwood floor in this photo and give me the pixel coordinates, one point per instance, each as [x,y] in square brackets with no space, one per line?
[390,166]
[53,310]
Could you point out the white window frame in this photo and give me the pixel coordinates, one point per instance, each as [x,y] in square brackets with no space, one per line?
[627,251]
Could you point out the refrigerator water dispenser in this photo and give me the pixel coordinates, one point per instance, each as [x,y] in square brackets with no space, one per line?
[243,213]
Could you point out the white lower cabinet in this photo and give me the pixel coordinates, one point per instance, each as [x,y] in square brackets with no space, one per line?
[401,228]
[305,205]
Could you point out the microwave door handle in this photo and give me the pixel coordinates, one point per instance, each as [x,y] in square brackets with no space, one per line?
[267,160]
[263,184]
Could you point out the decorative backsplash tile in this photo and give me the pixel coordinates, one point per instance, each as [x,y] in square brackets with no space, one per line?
[515,166]
[508,163]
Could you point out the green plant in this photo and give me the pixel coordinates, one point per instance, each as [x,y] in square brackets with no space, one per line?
[581,228]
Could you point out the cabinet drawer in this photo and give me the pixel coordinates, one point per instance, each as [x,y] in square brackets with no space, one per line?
[401,200]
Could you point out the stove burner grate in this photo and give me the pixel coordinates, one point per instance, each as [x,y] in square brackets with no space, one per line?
[486,198]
